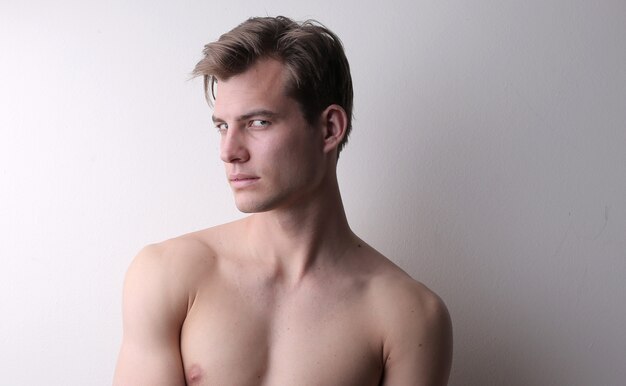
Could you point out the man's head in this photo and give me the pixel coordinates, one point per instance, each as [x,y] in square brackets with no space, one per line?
[319,74]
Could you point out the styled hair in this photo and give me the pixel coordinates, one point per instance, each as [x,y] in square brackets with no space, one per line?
[319,73]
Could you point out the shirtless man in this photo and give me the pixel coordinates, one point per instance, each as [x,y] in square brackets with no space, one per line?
[288,296]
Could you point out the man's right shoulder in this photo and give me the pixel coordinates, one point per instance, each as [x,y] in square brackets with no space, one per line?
[179,250]
[183,259]
[160,287]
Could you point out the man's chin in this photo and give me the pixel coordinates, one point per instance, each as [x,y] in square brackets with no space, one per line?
[246,210]
[248,206]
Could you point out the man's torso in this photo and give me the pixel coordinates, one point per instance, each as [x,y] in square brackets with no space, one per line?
[246,326]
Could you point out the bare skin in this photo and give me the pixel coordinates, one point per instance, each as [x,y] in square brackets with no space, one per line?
[288,295]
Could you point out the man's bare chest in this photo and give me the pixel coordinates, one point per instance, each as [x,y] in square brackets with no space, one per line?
[238,337]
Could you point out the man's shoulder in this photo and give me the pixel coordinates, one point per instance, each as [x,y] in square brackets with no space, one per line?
[415,327]
[177,251]
[404,305]
[408,294]
[186,256]
[413,322]
[194,247]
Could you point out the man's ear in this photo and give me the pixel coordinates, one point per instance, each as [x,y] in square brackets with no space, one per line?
[335,124]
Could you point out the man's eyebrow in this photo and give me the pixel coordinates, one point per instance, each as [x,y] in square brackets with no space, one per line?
[248,115]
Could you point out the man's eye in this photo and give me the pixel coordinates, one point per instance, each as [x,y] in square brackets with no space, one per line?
[259,123]
[221,127]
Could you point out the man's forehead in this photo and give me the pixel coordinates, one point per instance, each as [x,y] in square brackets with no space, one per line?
[262,87]
[263,73]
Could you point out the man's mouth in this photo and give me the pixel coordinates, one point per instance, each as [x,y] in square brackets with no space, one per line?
[241,180]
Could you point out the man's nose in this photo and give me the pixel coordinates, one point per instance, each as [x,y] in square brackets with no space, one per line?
[232,147]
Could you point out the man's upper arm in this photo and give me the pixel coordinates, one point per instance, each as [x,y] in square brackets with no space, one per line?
[419,344]
[154,308]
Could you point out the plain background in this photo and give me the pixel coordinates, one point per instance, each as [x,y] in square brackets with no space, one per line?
[488,159]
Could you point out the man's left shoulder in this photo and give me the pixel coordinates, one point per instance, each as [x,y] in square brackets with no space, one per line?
[415,329]
[405,301]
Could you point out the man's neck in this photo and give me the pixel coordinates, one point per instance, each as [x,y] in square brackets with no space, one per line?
[299,238]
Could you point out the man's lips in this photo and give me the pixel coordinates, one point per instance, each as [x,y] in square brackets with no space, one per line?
[240,177]
[242,180]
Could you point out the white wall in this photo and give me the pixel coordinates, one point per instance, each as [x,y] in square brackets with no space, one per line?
[488,159]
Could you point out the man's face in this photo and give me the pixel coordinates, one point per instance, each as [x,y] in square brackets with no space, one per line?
[273,157]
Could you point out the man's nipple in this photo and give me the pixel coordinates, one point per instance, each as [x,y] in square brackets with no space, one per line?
[193,374]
